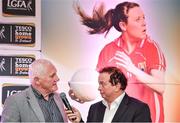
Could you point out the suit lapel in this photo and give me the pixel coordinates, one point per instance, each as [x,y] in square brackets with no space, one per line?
[60,106]
[101,112]
[122,108]
[34,105]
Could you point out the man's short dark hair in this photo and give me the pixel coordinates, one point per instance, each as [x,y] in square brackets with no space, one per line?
[116,76]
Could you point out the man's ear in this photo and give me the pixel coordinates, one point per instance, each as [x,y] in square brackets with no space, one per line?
[36,80]
[122,25]
[118,87]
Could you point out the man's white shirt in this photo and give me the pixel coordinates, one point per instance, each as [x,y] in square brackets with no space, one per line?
[110,111]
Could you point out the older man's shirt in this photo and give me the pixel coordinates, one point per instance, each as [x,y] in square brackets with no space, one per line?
[49,107]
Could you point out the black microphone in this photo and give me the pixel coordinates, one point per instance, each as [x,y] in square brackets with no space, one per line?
[65,101]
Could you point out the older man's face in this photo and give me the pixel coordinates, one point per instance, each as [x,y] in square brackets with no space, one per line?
[48,80]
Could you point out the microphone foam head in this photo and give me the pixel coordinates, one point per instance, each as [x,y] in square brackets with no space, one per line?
[62,94]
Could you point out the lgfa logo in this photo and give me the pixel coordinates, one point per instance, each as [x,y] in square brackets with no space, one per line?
[9,89]
[21,4]
[18,7]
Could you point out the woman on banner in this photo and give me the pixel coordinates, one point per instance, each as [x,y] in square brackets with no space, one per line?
[134,52]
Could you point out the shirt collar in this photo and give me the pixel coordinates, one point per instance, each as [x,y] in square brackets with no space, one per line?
[39,95]
[118,42]
[116,102]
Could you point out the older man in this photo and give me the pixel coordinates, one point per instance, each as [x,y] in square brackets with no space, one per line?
[39,102]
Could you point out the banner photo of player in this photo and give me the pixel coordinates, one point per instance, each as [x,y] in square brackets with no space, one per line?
[144,43]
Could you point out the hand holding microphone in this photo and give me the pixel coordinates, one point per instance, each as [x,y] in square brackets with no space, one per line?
[72,113]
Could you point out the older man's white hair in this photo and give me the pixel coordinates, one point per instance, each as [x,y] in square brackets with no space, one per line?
[38,68]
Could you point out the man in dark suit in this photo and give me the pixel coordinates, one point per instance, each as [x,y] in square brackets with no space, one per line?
[116,105]
[39,102]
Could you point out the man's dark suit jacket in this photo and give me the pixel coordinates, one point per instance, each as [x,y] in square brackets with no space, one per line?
[130,110]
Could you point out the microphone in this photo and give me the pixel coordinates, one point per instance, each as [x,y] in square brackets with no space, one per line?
[65,101]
